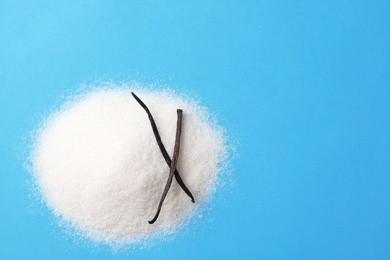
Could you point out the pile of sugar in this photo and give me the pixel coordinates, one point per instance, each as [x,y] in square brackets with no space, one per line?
[99,168]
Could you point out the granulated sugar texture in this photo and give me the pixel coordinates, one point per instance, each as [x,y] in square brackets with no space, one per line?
[100,169]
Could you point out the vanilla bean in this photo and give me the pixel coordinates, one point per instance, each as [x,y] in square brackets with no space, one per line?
[175,158]
[162,147]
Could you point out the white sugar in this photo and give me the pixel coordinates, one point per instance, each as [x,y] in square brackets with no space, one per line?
[99,167]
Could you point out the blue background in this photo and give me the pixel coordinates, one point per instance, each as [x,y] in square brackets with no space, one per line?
[303,86]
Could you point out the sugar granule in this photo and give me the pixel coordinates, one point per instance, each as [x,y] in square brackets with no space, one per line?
[99,168]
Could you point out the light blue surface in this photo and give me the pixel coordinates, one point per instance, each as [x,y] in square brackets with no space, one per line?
[303,86]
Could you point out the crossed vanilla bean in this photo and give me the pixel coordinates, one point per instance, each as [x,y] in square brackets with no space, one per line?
[165,155]
[175,158]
